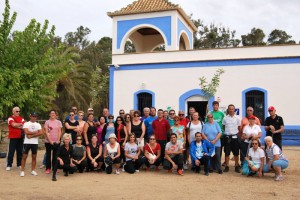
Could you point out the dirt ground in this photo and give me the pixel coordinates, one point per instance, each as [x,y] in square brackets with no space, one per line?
[151,184]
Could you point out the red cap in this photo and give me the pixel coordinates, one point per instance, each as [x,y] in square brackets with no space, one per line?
[251,117]
[271,108]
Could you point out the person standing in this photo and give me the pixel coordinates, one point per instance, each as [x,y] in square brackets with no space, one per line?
[161,127]
[72,126]
[15,126]
[146,111]
[232,126]
[138,128]
[212,133]
[274,126]
[32,131]
[53,134]
[148,122]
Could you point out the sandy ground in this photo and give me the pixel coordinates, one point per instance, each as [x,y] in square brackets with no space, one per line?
[150,185]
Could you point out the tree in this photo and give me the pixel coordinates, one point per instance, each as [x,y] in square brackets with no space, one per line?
[79,38]
[213,36]
[210,89]
[280,37]
[254,38]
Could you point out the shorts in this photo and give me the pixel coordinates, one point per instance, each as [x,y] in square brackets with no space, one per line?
[231,145]
[33,147]
[256,165]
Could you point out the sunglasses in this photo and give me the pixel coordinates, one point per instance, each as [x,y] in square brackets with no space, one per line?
[136,115]
[121,113]
[18,111]
[172,113]
[254,143]
[181,114]
[152,138]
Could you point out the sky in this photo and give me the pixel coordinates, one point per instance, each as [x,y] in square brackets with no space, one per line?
[239,15]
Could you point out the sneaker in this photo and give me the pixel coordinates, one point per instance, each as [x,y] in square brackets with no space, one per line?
[48,171]
[22,174]
[123,170]
[220,172]
[237,169]
[34,173]
[117,172]
[206,174]
[42,166]
[185,167]
[54,178]
[180,172]
[19,166]
[157,169]
[8,168]
[279,178]
[226,169]
[137,170]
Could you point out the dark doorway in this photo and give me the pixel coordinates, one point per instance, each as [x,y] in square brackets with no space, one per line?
[200,107]
[144,100]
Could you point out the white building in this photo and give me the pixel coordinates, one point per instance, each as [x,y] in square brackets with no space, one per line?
[254,76]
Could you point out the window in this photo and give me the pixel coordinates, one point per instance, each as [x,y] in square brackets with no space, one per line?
[256,99]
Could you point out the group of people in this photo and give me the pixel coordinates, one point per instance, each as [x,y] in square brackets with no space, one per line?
[127,142]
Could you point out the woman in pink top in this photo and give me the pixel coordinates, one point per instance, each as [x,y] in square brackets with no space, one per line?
[81,123]
[52,140]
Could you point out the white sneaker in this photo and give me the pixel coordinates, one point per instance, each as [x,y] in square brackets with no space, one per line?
[279,178]
[117,172]
[185,167]
[34,173]
[42,166]
[8,168]
[137,170]
[123,170]
[22,174]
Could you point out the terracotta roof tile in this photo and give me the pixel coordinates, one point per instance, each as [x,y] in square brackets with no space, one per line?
[145,6]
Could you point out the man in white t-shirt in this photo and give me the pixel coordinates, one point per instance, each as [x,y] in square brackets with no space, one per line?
[32,131]
[174,155]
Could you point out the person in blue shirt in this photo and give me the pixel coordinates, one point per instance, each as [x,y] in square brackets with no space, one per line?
[212,133]
[148,122]
[201,151]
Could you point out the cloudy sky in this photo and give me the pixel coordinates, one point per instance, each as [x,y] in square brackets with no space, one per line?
[239,15]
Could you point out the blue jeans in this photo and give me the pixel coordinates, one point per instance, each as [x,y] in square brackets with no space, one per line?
[277,163]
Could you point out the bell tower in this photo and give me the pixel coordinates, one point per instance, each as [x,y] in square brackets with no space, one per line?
[152,25]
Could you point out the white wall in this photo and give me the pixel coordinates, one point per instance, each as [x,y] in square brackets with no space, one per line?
[169,84]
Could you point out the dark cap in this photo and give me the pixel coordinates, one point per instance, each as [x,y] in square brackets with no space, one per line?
[33,114]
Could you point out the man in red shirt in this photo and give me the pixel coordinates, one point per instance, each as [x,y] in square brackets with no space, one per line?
[15,126]
[160,128]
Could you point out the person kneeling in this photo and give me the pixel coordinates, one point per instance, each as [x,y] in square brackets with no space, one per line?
[275,159]
[201,151]
[255,159]
[112,154]
[132,152]
[64,158]
[152,153]
[95,158]
[173,155]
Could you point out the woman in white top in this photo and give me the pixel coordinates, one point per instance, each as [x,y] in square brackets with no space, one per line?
[132,152]
[194,126]
[112,155]
[255,158]
[250,132]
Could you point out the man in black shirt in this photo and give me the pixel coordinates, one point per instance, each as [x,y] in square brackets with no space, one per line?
[274,126]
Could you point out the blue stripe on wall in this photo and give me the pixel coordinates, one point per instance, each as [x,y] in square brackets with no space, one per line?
[221,63]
